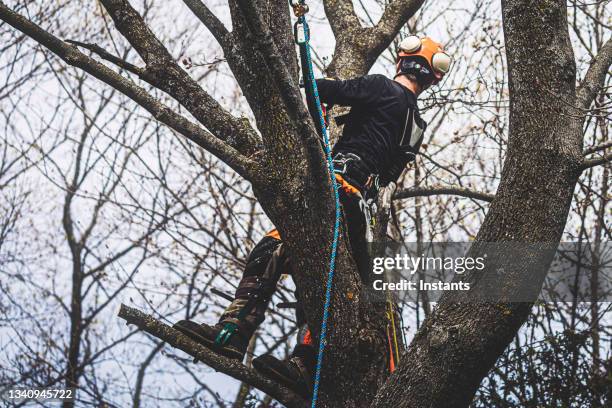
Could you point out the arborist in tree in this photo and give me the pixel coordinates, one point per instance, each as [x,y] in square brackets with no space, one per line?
[382,133]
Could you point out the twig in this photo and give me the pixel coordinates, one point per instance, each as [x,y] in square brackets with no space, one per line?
[460,191]
[596,148]
[587,164]
[109,57]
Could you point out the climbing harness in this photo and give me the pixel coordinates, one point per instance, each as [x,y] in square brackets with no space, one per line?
[302,39]
[350,166]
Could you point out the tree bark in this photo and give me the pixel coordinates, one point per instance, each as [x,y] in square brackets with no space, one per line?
[459,343]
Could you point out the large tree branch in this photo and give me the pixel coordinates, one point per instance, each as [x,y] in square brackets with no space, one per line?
[350,37]
[357,47]
[222,364]
[464,335]
[163,72]
[307,191]
[287,87]
[595,76]
[430,191]
[72,56]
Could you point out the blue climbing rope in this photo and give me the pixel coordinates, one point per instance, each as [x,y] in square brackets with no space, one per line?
[302,38]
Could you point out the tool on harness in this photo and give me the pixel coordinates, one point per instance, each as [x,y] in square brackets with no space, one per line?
[352,168]
[302,39]
[395,324]
[392,329]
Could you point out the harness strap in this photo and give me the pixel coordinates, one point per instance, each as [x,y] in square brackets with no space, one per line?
[356,172]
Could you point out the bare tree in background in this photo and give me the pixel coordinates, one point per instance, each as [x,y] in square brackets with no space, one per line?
[279,154]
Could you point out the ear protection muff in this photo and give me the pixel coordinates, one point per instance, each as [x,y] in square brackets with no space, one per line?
[424,49]
[441,62]
[410,44]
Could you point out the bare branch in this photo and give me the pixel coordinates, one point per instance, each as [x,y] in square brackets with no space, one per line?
[222,364]
[109,57]
[214,25]
[132,26]
[595,76]
[459,191]
[164,73]
[72,56]
[596,148]
[587,164]
[396,14]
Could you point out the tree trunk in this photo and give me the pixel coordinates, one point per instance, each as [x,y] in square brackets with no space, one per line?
[459,343]
[298,200]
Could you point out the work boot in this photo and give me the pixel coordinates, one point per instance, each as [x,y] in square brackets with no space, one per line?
[230,337]
[235,347]
[297,373]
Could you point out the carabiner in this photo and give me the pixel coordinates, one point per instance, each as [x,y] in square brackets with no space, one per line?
[299,8]
[300,33]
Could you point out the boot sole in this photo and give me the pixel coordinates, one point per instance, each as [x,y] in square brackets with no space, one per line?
[273,374]
[225,351]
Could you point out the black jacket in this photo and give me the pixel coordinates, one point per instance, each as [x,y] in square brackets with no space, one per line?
[383,127]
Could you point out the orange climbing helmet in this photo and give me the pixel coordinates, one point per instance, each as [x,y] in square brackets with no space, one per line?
[424,58]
